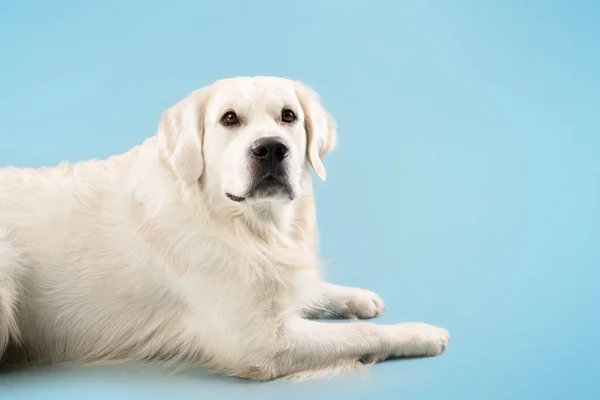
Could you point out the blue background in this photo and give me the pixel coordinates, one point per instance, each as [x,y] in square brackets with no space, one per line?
[465,191]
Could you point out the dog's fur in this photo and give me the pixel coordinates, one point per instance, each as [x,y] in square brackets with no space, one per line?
[145,255]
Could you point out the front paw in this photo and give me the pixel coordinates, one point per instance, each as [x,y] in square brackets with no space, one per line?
[416,339]
[354,303]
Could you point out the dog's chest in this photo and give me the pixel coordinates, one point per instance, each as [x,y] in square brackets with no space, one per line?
[231,285]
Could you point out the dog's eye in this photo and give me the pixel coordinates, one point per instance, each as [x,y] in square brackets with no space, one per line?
[230,118]
[288,116]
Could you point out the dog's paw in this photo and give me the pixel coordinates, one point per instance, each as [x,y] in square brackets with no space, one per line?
[354,303]
[416,339]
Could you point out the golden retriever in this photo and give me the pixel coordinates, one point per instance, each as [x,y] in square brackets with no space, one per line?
[198,247]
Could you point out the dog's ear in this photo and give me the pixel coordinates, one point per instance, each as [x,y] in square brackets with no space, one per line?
[180,136]
[321,135]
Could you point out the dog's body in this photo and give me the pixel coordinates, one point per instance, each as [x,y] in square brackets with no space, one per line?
[198,246]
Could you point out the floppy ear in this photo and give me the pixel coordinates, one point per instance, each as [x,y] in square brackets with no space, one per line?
[320,128]
[180,136]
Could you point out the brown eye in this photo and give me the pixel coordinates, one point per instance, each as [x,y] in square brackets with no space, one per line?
[288,116]
[229,119]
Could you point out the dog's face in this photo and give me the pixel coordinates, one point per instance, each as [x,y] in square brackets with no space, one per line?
[254,140]
[248,139]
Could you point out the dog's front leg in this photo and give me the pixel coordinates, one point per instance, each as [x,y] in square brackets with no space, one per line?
[344,302]
[306,347]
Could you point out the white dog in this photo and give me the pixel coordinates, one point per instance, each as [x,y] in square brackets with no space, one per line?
[197,247]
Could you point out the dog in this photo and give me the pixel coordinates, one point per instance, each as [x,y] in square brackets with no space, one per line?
[197,247]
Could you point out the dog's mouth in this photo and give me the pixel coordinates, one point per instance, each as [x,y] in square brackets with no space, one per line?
[235,198]
[269,186]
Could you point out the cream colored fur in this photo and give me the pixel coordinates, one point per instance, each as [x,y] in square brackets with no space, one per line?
[143,256]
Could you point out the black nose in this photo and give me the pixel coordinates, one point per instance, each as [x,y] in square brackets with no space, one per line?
[269,148]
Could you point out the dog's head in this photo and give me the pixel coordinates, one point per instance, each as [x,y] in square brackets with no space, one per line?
[248,139]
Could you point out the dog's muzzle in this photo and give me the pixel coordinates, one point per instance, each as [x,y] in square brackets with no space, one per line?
[268,170]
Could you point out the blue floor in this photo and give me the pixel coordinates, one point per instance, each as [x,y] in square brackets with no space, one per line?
[465,191]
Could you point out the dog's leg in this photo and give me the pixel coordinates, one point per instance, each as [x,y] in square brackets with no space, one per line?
[344,302]
[308,347]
